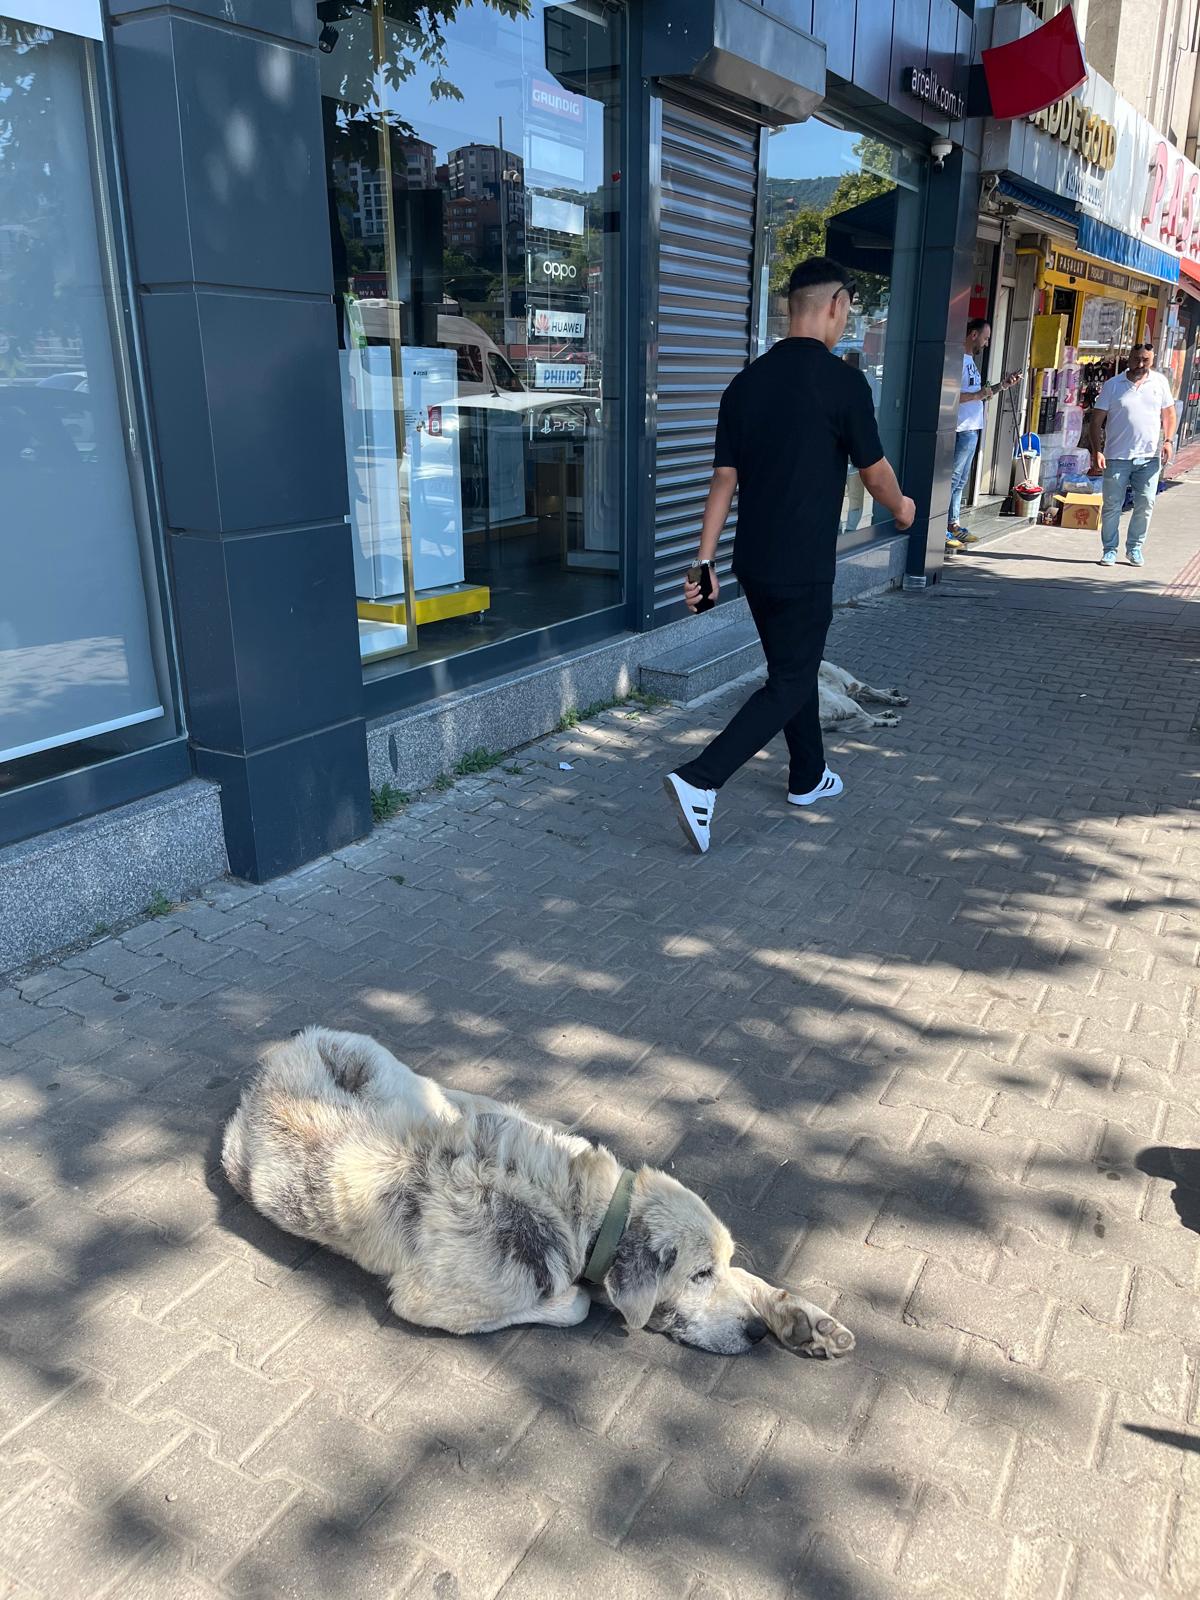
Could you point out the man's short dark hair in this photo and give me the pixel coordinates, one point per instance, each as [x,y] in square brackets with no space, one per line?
[977,323]
[816,277]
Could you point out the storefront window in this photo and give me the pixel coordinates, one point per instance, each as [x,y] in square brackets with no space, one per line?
[82,664]
[474,203]
[850,195]
[1106,324]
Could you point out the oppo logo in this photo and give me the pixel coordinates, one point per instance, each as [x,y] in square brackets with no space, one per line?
[558,271]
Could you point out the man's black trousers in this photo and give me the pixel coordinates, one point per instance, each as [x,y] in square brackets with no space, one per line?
[792,628]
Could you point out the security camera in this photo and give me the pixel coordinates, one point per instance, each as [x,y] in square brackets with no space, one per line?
[939,150]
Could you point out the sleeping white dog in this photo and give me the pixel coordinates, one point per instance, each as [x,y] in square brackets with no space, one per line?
[843,696]
[480,1217]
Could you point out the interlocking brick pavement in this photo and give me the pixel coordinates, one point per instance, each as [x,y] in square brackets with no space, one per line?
[933,1052]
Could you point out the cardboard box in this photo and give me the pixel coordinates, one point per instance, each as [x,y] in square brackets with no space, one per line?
[1080,510]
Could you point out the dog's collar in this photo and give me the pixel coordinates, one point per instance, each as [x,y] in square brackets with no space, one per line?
[616,1219]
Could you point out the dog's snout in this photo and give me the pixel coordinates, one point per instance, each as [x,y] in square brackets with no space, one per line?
[755,1330]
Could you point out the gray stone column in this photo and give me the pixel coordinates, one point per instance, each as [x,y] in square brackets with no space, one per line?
[220,137]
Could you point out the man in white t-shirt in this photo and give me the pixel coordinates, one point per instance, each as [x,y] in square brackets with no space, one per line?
[971,398]
[1131,434]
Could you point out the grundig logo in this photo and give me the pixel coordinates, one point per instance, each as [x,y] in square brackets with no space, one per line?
[924,84]
[1070,121]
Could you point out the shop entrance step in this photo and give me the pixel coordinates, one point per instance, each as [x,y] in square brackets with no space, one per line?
[694,669]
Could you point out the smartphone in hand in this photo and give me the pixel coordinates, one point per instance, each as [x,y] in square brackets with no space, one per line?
[702,576]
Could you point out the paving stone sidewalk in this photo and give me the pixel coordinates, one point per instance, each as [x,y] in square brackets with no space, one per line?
[932,1051]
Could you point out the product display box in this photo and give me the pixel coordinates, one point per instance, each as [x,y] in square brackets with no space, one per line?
[1080,510]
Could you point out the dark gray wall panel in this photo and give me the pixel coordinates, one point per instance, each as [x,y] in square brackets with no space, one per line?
[223,148]
[910,46]
[223,139]
[799,13]
[251,135]
[833,21]
[873,47]
[293,802]
[286,19]
[942,50]
[296,637]
[266,636]
[148,108]
[206,643]
[182,425]
[270,370]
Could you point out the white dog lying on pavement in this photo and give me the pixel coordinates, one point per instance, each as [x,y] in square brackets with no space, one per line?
[842,697]
[481,1217]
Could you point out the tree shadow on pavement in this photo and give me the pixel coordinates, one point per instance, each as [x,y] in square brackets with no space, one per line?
[908,1049]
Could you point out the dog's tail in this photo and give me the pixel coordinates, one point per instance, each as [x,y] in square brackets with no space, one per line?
[233,1156]
[357,1064]
[366,1069]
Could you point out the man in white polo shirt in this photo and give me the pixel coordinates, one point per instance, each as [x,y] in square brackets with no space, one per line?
[1131,437]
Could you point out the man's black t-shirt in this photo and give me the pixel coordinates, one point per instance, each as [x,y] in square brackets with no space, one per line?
[789,423]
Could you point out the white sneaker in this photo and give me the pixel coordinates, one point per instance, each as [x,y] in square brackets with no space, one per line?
[829,786]
[693,810]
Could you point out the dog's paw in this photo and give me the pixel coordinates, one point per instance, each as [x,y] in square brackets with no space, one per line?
[806,1330]
[887,719]
[897,698]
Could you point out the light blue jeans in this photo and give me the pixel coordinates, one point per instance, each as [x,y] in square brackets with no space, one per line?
[1141,476]
[965,445]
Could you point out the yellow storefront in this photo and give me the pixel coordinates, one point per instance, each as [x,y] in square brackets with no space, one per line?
[1091,309]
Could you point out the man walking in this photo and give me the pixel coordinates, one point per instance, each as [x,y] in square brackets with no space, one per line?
[973,395]
[789,423]
[1131,434]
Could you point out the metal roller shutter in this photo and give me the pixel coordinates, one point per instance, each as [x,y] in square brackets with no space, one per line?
[709,182]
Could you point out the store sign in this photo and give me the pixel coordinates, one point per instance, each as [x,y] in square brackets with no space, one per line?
[1072,266]
[559,375]
[554,157]
[1096,150]
[369,285]
[1071,122]
[550,270]
[81,17]
[556,424]
[547,324]
[550,99]
[1171,209]
[555,216]
[925,85]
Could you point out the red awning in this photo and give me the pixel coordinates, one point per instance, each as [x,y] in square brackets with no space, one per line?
[1189,277]
[1032,73]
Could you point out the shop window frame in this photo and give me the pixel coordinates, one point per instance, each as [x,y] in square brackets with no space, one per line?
[94,787]
[843,111]
[386,690]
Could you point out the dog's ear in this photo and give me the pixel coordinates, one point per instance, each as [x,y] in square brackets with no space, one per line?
[635,1278]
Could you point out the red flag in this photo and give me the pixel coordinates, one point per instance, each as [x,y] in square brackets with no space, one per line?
[1032,73]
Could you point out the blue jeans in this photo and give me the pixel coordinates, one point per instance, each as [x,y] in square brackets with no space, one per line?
[1141,476]
[965,445]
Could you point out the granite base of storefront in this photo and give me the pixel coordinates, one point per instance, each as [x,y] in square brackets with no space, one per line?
[76,881]
[411,750]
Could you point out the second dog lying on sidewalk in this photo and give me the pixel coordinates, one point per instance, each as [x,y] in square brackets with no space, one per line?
[842,697]
[482,1218]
